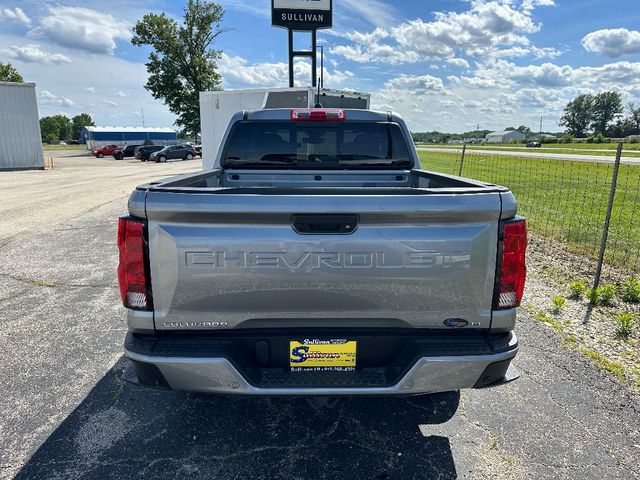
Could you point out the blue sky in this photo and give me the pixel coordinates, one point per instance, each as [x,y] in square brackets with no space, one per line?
[444,65]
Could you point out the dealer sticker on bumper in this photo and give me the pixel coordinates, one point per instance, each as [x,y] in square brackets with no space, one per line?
[322,355]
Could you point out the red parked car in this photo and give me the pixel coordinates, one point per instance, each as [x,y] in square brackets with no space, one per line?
[105,150]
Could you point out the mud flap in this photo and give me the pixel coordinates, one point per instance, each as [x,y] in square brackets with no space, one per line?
[498,374]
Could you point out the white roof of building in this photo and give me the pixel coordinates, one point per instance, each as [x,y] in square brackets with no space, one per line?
[131,129]
[17,84]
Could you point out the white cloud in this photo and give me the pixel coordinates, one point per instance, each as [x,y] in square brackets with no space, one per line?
[545,75]
[375,52]
[121,94]
[529,5]
[109,103]
[613,42]
[496,29]
[49,98]
[415,85]
[261,8]
[477,81]
[458,62]
[237,72]
[34,54]
[82,28]
[375,12]
[359,37]
[90,89]
[520,51]
[485,25]
[15,15]
[500,76]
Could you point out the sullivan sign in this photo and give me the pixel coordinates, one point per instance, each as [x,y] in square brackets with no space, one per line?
[302,14]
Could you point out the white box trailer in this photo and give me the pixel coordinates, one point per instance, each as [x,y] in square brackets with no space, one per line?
[217,108]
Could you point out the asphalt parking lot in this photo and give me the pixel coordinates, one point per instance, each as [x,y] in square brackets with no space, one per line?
[65,412]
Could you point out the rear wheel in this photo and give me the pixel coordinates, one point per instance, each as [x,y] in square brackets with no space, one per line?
[189,156]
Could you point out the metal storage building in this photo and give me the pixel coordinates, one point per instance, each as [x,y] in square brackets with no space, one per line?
[97,136]
[505,136]
[20,139]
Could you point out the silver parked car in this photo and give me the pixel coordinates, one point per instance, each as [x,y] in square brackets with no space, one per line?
[174,152]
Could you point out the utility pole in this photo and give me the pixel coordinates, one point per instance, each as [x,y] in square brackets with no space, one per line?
[540,128]
[142,113]
[321,47]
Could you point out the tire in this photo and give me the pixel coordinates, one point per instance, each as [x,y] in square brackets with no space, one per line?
[142,160]
[162,159]
[100,155]
[188,157]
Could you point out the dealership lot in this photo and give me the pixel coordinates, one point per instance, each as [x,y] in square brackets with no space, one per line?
[65,412]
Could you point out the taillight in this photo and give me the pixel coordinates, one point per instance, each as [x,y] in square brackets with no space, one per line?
[513,271]
[132,276]
[315,114]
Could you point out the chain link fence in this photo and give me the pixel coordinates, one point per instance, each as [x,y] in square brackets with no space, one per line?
[569,198]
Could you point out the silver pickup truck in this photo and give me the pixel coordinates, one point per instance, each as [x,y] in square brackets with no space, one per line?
[318,258]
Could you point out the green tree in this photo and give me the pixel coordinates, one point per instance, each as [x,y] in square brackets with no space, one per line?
[49,130]
[621,128]
[8,73]
[55,129]
[182,63]
[524,129]
[607,107]
[78,123]
[578,115]
[634,117]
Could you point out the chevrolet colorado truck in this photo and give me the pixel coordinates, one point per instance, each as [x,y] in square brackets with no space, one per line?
[318,258]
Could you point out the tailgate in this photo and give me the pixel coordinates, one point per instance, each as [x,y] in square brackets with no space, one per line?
[224,261]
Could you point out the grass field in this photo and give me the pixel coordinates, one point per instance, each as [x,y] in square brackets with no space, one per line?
[563,200]
[46,147]
[562,146]
[551,148]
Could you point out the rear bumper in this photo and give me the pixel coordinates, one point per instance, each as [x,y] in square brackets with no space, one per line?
[427,374]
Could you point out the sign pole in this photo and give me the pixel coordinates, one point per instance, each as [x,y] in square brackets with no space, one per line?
[302,16]
[291,58]
[314,58]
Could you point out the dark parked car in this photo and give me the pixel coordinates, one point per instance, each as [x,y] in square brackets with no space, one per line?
[182,152]
[128,151]
[534,145]
[144,152]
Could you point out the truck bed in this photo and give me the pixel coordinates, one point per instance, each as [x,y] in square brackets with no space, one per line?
[283,182]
